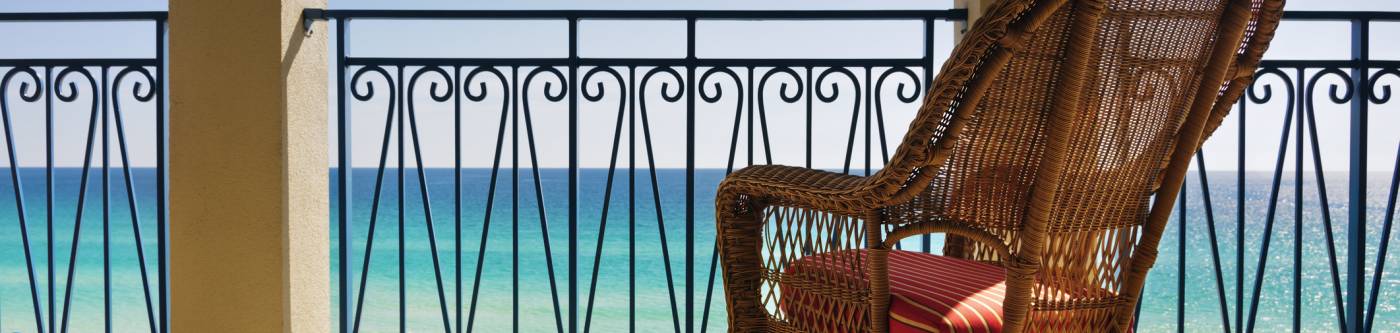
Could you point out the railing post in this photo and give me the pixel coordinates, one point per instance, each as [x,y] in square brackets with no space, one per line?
[573,175]
[690,177]
[1356,194]
[162,174]
[249,176]
[344,172]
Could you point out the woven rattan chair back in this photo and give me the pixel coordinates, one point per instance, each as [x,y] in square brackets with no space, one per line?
[1053,142]
[1123,99]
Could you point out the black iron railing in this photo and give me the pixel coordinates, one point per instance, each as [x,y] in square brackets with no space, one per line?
[627,89]
[1357,85]
[500,93]
[496,93]
[116,106]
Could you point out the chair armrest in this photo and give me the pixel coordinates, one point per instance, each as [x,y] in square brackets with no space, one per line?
[764,219]
[947,226]
[801,187]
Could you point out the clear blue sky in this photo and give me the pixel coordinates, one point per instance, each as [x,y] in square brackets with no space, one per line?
[1297,40]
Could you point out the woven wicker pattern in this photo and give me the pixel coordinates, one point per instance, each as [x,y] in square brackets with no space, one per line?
[1052,143]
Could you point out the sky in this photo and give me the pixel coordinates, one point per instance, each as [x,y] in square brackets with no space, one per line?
[649,39]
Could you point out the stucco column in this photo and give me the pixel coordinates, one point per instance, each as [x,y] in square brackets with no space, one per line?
[975,9]
[248,168]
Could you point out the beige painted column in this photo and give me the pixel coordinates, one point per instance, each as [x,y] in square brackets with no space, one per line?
[249,240]
[975,9]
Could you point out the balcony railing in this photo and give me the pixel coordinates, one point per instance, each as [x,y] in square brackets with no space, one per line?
[712,115]
[574,284]
[557,129]
[84,239]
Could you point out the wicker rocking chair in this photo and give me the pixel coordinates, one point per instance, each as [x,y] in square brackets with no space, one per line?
[1050,150]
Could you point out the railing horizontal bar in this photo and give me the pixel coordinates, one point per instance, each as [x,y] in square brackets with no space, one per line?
[356,61]
[1328,63]
[1340,15]
[80,62]
[83,16]
[946,14]
[768,62]
[955,14]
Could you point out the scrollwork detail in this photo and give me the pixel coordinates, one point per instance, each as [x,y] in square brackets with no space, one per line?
[24,87]
[718,90]
[553,95]
[72,94]
[368,92]
[1338,93]
[598,95]
[904,95]
[136,90]
[783,93]
[1262,92]
[481,85]
[1383,95]
[447,90]
[667,94]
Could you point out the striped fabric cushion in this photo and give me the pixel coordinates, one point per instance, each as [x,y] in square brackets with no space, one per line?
[928,293]
[931,293]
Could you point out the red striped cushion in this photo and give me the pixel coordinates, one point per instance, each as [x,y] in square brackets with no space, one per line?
[928,293]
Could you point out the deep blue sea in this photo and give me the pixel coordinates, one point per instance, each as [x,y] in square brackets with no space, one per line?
[632,230]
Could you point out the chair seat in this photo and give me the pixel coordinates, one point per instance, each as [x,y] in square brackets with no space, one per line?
[932,293]
[928,293]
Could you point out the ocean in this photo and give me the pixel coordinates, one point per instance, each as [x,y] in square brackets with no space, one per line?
[516,227]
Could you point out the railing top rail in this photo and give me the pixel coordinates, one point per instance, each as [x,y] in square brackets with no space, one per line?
[913,61]
[84,16]
[945,14]
[1294,63]
[77,62]
[1323,15]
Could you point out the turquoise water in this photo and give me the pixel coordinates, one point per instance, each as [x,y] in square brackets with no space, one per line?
[86,303]
[610,309]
